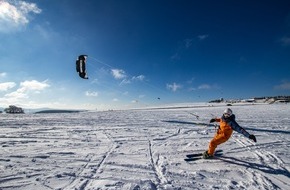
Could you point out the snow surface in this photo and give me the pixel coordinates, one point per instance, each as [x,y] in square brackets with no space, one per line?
[143,149]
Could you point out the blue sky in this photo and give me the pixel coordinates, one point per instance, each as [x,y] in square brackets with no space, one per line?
[142,53]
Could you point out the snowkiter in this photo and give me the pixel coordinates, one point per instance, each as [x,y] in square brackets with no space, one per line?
[224,132]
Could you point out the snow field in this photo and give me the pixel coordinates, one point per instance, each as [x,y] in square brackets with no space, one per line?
[143,149]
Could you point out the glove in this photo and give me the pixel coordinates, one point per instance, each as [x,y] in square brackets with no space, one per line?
[252,137]
[212,120]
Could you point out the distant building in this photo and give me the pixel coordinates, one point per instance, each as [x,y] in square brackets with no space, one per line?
[14,109]
[248,100]
[269,100]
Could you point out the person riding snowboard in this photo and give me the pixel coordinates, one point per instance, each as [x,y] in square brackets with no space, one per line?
[224,132]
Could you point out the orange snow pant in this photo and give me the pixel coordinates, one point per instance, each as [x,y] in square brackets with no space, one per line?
[219,138]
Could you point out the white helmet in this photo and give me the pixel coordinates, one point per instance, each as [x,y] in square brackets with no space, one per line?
[228,112]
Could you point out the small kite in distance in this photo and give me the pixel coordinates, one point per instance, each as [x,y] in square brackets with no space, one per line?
[81,66]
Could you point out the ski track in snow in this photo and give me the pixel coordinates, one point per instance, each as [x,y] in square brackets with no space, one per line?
[143,149]
[269,163]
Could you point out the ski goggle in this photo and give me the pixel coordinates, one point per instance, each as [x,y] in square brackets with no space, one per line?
[227,114]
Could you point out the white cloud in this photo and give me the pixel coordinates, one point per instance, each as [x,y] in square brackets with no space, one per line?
[15,15]
[28,7]
[34,85]
[16,95]
[6,85]
[26,87]
[284,86]
[173,87]
[118,73]
[21,96]
[94,94]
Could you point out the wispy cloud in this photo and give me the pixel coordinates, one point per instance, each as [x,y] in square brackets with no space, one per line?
[3,75]
[187,44]
[203,37]
[125,81]
[190,81]
[176,56]
[118,73]
[204,87]
[138,78]
[285,41]
[134,101]
[6,86]
[94,94]
[208,87]
[173,87]
[15,14]
[134,78]
[44,31]
[285,85]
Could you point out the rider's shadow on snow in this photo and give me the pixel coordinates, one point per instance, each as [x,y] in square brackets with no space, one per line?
[268,130]
[261,167]
[209,124]
[186,122]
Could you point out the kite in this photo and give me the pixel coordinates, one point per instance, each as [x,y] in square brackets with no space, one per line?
[81,66]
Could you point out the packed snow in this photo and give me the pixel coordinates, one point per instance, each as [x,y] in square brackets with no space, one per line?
[144,149]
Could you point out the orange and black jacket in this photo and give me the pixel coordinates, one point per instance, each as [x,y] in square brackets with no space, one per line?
[228,124]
